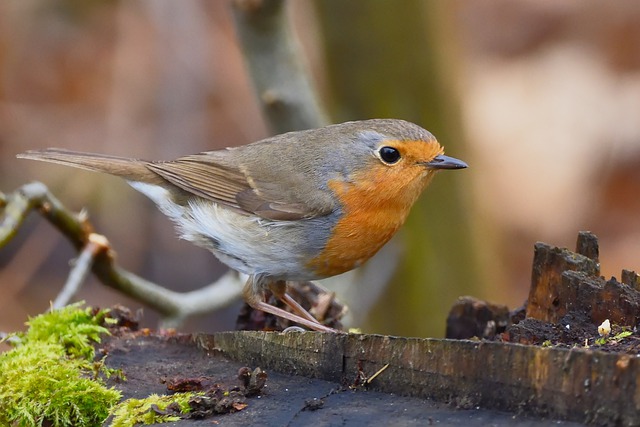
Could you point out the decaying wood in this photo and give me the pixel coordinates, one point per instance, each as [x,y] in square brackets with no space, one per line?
[573,384]
[630,278]
[546,298]
[564,282]
[471,317]
[601,299]
[567,301]
[587,245]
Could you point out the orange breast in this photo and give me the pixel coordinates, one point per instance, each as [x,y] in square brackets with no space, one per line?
[373,210]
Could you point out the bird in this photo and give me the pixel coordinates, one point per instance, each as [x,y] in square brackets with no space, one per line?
[303,205]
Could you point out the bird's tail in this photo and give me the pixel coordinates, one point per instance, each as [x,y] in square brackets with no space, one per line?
[129,169]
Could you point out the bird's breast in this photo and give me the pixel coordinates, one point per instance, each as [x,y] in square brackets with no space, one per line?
[370,217]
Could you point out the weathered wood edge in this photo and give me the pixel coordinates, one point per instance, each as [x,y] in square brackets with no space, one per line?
[582,385]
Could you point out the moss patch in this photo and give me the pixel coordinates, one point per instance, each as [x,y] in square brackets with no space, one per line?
[50,377]
[152,410]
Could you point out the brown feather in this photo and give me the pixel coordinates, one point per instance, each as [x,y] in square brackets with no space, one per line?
[130,169]
[200,175]
[207,180]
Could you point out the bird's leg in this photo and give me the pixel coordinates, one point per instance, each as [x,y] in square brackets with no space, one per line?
[254,299]
[279,289]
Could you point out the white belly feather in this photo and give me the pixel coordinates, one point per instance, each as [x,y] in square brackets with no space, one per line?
[246,243]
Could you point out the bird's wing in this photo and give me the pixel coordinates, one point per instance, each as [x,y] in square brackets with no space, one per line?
[205,177]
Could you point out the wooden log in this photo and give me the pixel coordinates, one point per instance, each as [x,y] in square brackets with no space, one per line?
[574,384]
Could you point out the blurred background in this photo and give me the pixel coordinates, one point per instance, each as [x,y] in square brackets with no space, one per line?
[541,98]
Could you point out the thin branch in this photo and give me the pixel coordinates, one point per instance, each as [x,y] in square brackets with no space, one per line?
[80,270]
[174,306]
[282,84]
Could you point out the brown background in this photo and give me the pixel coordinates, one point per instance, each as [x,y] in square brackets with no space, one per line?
[541,98]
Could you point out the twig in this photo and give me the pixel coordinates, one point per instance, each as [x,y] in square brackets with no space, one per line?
[373,377]
[80,270]
[174,306]
[284,89]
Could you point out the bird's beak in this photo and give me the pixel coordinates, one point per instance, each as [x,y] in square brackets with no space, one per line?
[445,162]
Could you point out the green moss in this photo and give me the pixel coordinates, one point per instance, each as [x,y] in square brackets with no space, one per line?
[50,378]
[133,412]
[74,328]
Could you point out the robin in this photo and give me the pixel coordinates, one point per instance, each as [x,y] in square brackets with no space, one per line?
[299,206]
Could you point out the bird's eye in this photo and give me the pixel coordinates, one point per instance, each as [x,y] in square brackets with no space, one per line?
[389,155]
